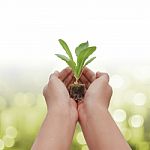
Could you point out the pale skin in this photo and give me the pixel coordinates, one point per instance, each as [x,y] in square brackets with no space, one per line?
[99,129]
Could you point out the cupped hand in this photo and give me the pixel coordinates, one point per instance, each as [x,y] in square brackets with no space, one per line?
[56,93]
[98,92]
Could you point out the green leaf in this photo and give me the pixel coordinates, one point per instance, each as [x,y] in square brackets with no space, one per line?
[83,51]
[82,58]
[66,48]
[70,62]
[63,57]
[81,47]
[89,61]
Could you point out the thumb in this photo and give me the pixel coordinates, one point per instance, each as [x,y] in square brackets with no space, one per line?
[105,77]
[100,82]
[54,75]
[54,80]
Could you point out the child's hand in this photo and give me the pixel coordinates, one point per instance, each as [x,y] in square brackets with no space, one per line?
[56,93]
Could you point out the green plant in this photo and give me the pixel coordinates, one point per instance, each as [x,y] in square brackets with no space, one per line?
[83,51]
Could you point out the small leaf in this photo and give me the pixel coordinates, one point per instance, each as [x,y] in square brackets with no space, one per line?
[82,58]
[70,62]
[89,61]
[66,48]
[63,57]
[81,47]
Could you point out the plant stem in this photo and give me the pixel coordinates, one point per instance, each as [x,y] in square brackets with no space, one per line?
[76,81]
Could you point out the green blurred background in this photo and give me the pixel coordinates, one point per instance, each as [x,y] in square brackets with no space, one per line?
[29,33]
[22,106]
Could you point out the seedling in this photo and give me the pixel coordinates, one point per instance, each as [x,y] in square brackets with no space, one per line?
[83,51]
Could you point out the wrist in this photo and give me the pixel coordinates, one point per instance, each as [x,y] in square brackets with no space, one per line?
[62,113]
[90,111]
[56,125]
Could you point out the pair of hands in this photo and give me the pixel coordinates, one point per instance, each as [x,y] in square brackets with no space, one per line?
[97,95]
[99,129]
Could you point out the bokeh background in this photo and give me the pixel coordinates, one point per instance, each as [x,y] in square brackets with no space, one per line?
[29,33]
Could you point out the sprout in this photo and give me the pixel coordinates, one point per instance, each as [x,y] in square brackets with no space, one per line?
[83,51]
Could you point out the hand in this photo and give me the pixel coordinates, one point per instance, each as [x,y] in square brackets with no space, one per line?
[56,93]
[98,92]
[62,115]
[99,129]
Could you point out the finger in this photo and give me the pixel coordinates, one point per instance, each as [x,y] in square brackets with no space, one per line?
[100,82]
[89,74]
[56,73]
[99,74]
[68,80]
[50,76]
[55,81]
[105,77]
[71,82]
[85,81]
[64,73]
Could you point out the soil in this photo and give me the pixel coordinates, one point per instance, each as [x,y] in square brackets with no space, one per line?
[77,91]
